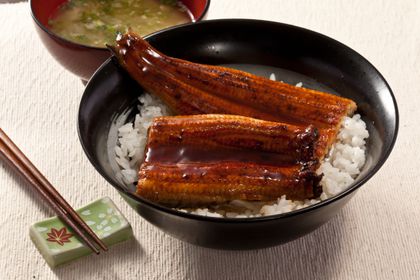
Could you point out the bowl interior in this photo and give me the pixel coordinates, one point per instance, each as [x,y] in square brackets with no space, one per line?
[293,54]
[42,10]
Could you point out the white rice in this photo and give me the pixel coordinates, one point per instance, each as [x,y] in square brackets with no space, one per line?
[340,167]
[132,137]
[272,76]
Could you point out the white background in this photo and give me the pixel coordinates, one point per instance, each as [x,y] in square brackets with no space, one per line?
[376,236]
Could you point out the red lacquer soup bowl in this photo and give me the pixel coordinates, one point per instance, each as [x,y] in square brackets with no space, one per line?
[83,60]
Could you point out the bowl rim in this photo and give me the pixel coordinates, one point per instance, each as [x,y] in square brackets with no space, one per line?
[353,187]
[57,37]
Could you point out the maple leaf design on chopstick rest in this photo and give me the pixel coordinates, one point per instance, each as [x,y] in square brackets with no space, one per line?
[60,236]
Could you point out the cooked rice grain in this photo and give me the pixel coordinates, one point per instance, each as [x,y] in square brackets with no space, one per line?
[340,167]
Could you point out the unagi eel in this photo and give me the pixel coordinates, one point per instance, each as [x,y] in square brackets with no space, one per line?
[273,150]
[190,88]
[206,159]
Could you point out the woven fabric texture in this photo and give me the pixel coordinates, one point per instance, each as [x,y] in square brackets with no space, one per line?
[376,236]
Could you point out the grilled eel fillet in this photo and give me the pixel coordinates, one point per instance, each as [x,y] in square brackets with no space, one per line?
[199,160]
[190,88]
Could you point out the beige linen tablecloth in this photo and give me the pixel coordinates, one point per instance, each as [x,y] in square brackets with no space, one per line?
[376,236]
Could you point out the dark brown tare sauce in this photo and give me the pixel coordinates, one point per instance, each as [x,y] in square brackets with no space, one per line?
[191,154]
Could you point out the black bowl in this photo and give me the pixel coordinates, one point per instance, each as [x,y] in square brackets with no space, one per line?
[295,54]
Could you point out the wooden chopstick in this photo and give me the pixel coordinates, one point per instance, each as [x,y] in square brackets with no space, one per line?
[23,165]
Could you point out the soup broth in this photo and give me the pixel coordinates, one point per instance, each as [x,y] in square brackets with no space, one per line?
[97,22]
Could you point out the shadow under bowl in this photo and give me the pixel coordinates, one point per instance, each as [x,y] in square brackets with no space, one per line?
[83,60]
[294,55]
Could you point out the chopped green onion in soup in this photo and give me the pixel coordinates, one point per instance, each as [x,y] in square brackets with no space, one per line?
[97,22]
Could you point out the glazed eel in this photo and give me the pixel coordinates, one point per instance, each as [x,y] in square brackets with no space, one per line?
[189,88]
[206,159]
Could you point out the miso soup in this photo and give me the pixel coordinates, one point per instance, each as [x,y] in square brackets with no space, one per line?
[97,22]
